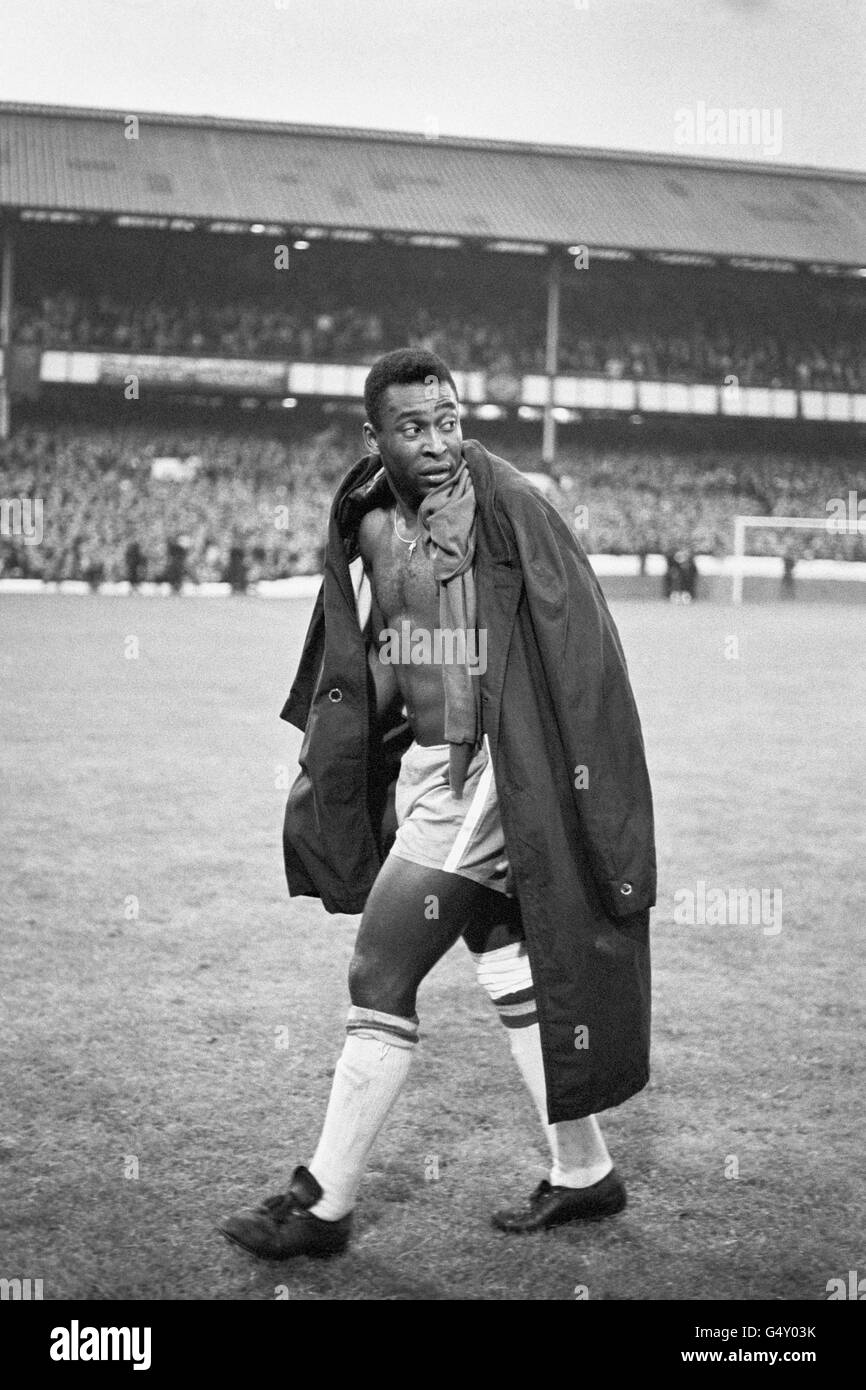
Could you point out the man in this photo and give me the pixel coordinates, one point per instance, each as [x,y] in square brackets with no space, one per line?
[460,645]
[135,563]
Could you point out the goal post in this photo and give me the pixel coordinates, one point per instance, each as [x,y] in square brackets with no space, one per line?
[769,523]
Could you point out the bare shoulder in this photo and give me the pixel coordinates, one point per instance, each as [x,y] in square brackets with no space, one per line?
[371,530]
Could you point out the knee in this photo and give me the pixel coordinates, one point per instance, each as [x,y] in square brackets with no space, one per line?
[375,984]
[505,973]
[506,976]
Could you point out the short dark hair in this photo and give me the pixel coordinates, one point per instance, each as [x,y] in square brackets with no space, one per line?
[403,367]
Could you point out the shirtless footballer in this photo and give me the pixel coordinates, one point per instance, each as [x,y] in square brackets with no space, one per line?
[449,848]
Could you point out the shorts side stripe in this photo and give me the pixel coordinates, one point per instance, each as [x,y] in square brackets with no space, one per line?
[473,816]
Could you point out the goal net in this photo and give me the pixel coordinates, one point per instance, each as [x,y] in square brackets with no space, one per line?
[792,539]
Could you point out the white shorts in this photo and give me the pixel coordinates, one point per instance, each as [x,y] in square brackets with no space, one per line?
[435,829]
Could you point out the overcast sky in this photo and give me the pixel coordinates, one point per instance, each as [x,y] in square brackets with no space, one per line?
[622,74]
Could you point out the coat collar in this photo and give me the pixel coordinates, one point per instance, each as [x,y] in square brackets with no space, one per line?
[366,486]
[487,473]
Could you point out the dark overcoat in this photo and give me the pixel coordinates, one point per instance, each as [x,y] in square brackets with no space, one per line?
[568,759]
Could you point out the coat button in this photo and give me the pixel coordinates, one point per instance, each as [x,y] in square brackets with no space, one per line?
[335,695]
[625,889]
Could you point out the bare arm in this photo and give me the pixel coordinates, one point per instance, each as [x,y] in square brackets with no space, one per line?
[389,700]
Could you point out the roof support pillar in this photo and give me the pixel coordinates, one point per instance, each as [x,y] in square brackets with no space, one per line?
[6,273]
[551,363]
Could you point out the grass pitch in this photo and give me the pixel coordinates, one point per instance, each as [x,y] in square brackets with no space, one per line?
[171,1019]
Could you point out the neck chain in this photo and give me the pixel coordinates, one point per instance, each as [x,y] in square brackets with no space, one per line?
[411,543]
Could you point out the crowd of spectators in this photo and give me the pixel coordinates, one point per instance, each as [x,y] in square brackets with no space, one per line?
[652,498]
[257,506]
[249,329]
[711,352]
[99,496]
[644,341]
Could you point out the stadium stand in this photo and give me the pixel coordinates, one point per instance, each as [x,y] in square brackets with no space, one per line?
[796,354]
[271,498]
[702,275]
[132,293]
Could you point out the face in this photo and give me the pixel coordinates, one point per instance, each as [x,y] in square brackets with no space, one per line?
[419,440]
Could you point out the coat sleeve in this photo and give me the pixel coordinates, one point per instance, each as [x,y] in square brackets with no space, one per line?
[297,706]
[590,692]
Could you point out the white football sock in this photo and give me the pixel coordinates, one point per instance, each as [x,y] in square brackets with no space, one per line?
[577,1147]
[368,1078]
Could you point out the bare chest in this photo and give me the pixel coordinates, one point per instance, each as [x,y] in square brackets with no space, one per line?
[401,575]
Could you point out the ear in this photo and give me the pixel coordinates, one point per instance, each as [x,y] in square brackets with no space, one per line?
[370,438]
